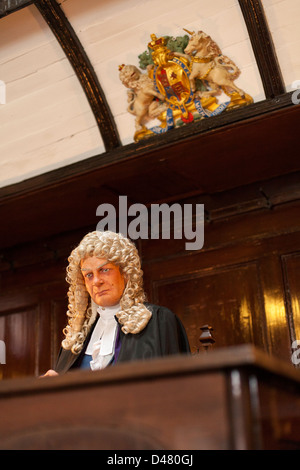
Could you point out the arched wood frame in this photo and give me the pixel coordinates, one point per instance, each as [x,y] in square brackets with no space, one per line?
[67,38]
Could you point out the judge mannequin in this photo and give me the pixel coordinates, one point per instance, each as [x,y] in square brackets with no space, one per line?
[109,320]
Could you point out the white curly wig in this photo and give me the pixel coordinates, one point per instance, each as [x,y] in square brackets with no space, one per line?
[82,311]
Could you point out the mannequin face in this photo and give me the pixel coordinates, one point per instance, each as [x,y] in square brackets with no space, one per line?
[103,281]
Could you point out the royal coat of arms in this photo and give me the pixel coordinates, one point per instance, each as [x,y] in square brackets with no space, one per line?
[183,79]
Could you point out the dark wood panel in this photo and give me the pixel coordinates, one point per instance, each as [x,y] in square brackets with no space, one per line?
[228,299]
[283,429]
[274,298]
[59,319]
[291,268]
[239,269]
[252,233]
[19,331]
[8,6]
[119,426]
[32,316]
[233,398]
[236,283]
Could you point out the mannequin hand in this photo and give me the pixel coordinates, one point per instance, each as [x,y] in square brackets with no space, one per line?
[50,373]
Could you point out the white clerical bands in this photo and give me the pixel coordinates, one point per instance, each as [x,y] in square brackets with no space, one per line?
[102,343]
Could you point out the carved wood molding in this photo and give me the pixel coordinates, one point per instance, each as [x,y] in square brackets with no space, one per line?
[67,38]
[263,47]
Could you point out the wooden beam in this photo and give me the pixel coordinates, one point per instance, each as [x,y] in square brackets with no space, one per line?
[10,6]
[67,38]
[263,47]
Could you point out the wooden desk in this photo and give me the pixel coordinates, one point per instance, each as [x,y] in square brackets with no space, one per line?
[236,398]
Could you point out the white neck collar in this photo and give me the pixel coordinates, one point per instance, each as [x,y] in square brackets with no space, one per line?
[108,312]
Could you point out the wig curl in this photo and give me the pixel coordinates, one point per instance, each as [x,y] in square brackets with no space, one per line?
[82,311]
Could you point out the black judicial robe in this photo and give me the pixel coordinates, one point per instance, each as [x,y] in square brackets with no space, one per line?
[164,335]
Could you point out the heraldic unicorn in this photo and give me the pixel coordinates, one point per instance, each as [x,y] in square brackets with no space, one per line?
[182,80]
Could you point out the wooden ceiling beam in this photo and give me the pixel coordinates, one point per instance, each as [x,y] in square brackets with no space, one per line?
[67,38]
[263,47]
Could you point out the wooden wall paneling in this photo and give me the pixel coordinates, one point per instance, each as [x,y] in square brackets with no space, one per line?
[44,339]
[59,320]
[235,398]
[32,335]
[283,430]
[252,233]
[53,319]
[227,298]
[20,334]
[33,305]
[53,306]
[291,269]
[274,300]
[235,283]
